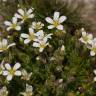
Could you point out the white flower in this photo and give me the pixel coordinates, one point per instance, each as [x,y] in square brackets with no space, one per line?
[4,45]
[24,14]
[86,37]
[2,67]
[28,37]
[37,25]
[41,44]
[13,25]
[42,40]
[41,36]
[12,71]
[92,47]
[26,75]
[3,91]
[28,91]
[56,21]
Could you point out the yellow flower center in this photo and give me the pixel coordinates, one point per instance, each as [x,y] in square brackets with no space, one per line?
[11,71]
[25,17]
[56,23]
[14,25]
[31,36]
[42,45]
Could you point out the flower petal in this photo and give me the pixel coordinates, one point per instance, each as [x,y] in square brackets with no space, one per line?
[92,53]
[40,34]
[21,11]
[7,66]
[62,19]
[49,20]
[9,77]
[23,35]
[94,78]
[31,16]
[14,20]
[41,49]
[17,66]
[29,11]
[94,72]
[9,28]
[60,27]
[31,31]
[18,16]
[56,16]
[12,44]
[18,28]
[17,73]
[5,73]
[35,44]
[26,41]
[51,26]
[7,23]
[5,42]
[84,34]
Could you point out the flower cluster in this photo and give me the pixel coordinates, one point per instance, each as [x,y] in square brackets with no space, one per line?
[89,41]
[36,36]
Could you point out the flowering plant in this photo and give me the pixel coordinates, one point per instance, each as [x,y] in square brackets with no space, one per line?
[42,56]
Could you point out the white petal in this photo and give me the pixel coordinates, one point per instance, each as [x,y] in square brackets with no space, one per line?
[60,27]
[11,45]
[35,44]
[18,28]
[9,28]
[94,78]
[92,53]
[17,73]
[41,49]
[62,19]
[94,72]
[49,20]
[17,66]
[5,73]
[56,16]
[9,77]
[7,23]
[40,34]
[18,16]
[82,40]
[14,20]
[31,31]
[51,26]
[31,16]
[5,42]
[84,34]
[29,11]
[7,66]
[21,12]
[26,41]
[23,35]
